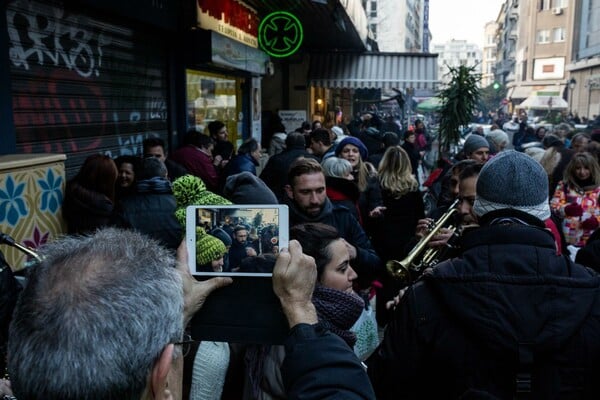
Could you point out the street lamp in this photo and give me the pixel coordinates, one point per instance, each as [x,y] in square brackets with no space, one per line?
[572,83]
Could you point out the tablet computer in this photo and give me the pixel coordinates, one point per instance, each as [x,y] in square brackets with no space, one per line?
[247,311]
[254,230]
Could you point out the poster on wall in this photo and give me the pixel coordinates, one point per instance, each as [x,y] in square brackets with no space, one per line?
[256,109]
[292,119]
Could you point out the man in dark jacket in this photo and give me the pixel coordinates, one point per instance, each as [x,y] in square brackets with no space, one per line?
[151,209]
[274,173]
[509,319]
[307,201]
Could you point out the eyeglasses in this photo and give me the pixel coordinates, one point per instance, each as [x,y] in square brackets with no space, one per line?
[185,344]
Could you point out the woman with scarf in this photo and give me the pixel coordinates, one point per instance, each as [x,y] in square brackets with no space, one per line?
[338,307]
[575,199]
[353,150]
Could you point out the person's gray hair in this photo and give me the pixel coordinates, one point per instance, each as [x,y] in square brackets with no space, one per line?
[336,167]
[94,317]
[152,167]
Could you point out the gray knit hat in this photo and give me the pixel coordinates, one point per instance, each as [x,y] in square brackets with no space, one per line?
[474,142]
[512,180]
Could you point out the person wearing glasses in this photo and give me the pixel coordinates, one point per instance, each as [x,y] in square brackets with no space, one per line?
[102,317]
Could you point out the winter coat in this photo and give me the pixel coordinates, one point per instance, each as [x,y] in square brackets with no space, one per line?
[575,232]
[275,172]
[473,323]
[367,263]
[151,210]
[414,156]
[197,163]
[345,193]
[241,163]
[397,227]
[320,365]
[85,210]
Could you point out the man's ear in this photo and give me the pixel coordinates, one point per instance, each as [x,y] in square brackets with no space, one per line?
[161,370]
[289,191]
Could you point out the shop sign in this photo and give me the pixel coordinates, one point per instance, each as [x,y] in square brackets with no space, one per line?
[280,34]
[229,18]
[292,119]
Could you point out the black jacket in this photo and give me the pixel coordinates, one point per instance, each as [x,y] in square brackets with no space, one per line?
[151,210]
[275,172]
[471,323]
[367,263]
[85,210]
[320,365]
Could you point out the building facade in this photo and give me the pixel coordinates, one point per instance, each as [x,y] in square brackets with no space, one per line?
[455,53]
[399,26]
[489,54]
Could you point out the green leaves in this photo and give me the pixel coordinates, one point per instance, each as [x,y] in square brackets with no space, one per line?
[459,100]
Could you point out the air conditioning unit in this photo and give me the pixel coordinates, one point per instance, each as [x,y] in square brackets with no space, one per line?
[557,11]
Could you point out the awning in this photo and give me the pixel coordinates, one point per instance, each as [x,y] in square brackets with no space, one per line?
[373,70]
[547,98]
[520,92]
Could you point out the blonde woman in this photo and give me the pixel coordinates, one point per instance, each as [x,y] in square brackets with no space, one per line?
[402,202]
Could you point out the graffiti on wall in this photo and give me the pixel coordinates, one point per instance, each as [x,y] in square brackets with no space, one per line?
[51,37]
[79,83]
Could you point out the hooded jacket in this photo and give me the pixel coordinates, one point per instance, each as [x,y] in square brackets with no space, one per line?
[367,263]
[509,305]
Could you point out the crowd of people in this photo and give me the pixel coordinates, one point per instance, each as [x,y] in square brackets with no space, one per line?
[499,302]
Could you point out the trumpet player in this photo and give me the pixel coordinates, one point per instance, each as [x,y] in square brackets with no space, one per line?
[509,318]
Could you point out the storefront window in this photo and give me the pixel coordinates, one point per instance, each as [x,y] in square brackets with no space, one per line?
[214,97]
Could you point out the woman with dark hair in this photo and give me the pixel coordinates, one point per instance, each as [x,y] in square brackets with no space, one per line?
[127,167]
[338,307]
[576,199]
[90,195]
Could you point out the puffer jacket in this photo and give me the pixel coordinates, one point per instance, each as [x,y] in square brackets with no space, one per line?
[473,323]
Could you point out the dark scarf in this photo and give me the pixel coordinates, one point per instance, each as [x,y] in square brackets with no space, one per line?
[338,311]
[154,185]
[585,184]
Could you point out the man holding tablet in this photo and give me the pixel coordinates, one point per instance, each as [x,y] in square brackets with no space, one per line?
[115,303]
[307,201]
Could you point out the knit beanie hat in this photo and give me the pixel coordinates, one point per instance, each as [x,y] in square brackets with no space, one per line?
[208,247]
[247,188]
[512,180]
[189,190]
[362,149]
[474,142]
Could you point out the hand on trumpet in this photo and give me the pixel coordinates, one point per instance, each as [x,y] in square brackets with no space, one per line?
[439,239]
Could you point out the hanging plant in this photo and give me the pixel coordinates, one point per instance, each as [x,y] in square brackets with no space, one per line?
[459,99]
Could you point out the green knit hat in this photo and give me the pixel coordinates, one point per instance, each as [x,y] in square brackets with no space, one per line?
[208,247]
[189,190]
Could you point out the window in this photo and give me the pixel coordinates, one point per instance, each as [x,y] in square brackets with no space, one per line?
[558,34]
[543,36]
[373,28]
[545,4]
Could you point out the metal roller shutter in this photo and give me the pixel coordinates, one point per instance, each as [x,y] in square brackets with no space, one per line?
[83,85]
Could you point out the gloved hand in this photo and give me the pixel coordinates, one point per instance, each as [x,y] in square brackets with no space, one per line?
[590,224]
[573,210]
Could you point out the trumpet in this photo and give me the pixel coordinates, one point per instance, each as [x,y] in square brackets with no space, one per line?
[421,257]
